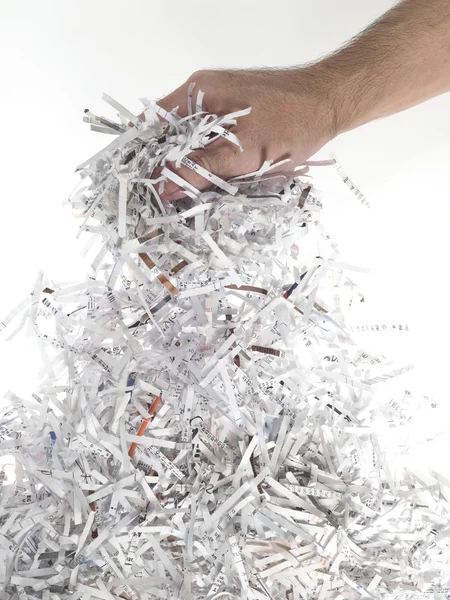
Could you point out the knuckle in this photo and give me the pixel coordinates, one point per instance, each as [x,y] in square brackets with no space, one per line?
[210,161]
[167,102]
[199,75]
[203,160]
[219,161]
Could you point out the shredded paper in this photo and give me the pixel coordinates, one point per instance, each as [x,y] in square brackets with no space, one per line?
[206,426]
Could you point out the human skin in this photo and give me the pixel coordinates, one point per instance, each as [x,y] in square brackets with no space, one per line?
[399,61]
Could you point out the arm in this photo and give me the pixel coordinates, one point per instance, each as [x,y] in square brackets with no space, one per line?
[399,61]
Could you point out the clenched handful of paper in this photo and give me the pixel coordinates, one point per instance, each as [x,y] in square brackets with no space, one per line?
[206,427]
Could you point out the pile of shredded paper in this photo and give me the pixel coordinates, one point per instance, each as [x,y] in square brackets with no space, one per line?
[206,427]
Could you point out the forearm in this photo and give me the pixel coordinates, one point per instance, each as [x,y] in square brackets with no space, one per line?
[399,61]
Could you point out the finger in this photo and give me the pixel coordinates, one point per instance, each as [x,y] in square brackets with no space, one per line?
[178,97]
[221,158]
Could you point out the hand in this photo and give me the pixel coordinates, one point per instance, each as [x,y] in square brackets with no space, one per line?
[291,117]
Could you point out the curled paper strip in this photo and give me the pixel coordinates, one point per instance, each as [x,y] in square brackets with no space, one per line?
[206,427]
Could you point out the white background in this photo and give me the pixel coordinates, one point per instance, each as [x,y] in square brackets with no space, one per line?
[58,57]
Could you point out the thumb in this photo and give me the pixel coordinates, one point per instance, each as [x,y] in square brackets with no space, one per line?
[202,167]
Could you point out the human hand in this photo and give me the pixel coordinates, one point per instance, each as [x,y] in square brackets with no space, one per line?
[291,117]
